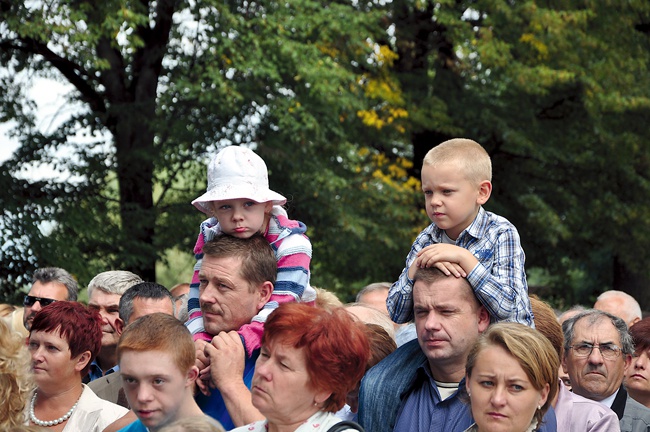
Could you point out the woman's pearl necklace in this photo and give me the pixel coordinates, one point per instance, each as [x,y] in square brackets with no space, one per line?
[42,423]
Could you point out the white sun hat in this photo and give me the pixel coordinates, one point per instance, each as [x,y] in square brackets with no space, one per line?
[237,172]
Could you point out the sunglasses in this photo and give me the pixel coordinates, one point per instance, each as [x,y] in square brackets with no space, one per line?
[30,300]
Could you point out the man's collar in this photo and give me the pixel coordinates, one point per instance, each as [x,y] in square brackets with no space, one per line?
[618,402]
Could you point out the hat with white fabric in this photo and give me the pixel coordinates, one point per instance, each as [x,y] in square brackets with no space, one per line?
[237,172]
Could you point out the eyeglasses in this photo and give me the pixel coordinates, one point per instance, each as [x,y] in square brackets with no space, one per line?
[30,300]
[608,351]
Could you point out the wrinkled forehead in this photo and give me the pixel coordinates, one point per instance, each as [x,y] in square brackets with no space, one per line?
[599,330]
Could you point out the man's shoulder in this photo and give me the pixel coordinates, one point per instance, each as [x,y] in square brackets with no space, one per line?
[106,381]
[397,370]
[408,356]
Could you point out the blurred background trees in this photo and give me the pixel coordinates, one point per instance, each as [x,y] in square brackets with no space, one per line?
[342,100]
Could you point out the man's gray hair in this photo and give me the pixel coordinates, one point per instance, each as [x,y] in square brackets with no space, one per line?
[57,275]
[113,282]
[593,316]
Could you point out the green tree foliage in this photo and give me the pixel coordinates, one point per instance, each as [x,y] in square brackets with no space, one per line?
[558,93]
[342,99]
[159,87]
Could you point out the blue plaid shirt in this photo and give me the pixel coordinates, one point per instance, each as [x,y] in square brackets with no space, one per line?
[498,280]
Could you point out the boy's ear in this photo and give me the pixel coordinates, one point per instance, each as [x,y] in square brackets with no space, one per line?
[484,192]
[192,376]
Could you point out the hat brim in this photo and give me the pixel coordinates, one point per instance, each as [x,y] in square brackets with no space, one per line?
[227,192]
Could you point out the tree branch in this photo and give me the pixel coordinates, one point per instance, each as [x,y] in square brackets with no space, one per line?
[76,75]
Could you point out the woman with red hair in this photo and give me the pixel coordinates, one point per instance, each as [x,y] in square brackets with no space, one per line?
[310,359]
[64,338]
[637,375]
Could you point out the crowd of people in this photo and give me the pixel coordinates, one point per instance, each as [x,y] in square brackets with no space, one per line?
[454,344]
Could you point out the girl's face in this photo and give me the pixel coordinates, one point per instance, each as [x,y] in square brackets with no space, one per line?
[503,398]
[241,217]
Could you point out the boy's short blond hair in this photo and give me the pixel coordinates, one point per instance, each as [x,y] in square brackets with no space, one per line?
[468,154]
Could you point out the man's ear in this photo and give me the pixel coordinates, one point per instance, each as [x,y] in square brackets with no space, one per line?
[563,363]
[119,326]
[628,361]
[483,319]
[484,192]
[265,291]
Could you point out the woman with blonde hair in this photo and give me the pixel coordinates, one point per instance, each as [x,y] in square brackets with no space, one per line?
[511,378]
[15,379]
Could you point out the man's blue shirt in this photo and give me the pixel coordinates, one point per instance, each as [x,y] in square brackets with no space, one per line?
[96,371]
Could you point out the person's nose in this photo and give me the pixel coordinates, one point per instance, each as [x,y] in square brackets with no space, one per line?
[144,393]
[263,370]
[435,200]
[237,213]
[36,307]
[37,354]
[104,317]
[432,322]
[498,398]
[207,295]
[641,362]
[595,357]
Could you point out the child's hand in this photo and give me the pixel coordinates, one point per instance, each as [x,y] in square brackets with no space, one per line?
[450,259]
[450,268]
[203,363]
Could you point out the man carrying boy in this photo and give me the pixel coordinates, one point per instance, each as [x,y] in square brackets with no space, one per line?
[156,355]
[464,240]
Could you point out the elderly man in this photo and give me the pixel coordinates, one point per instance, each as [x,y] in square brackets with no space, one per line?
[619,304]
[141,299]
[49,284]
[597,351]
[236,280]
[104,293]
